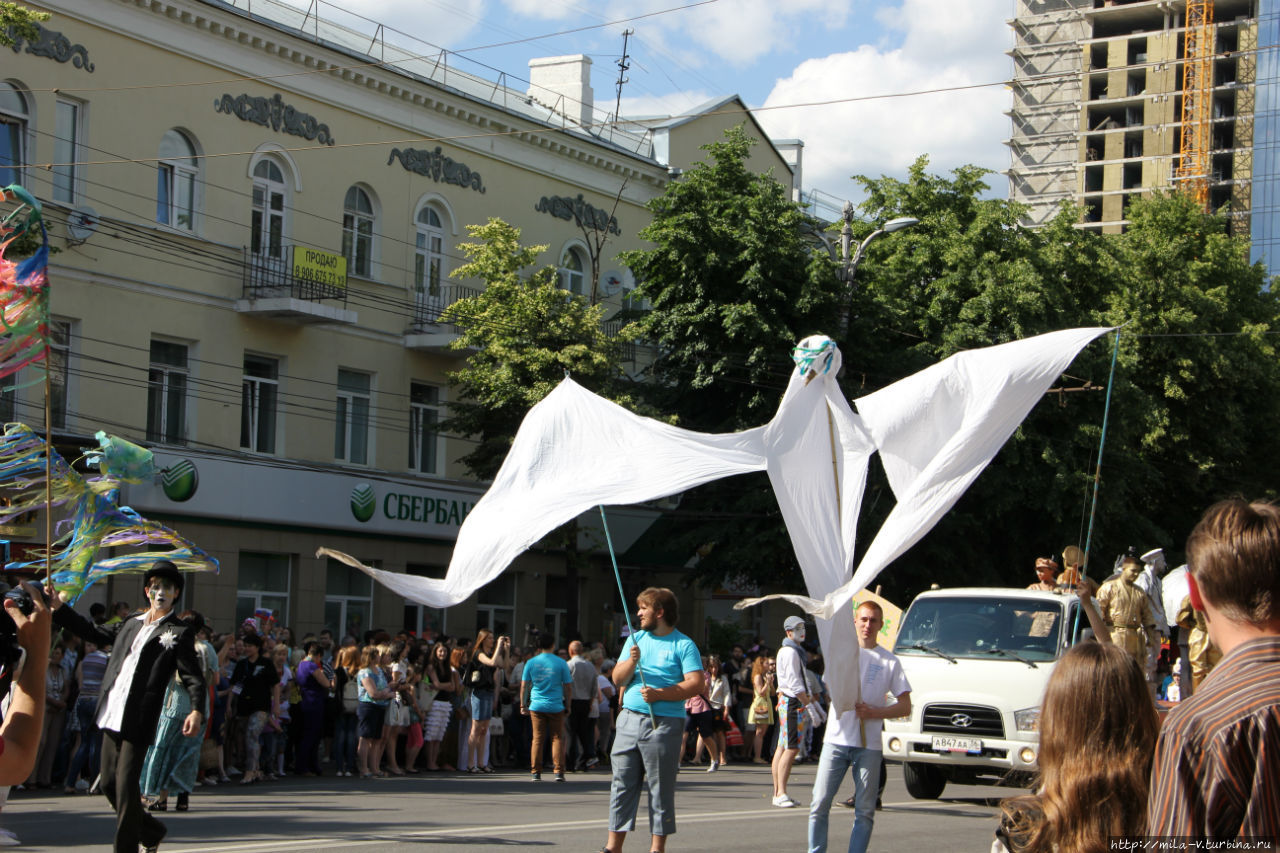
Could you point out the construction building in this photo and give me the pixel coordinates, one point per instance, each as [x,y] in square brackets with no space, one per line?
[1114,99]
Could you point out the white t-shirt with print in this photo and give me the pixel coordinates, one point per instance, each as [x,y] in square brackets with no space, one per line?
[881,675]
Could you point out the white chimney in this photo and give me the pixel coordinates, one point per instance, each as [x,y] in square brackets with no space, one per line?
[563,83]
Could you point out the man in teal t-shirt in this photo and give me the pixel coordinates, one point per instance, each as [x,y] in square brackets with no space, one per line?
[651,722]
[544,694]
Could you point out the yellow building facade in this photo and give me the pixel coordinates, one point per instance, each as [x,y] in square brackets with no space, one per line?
[257,222]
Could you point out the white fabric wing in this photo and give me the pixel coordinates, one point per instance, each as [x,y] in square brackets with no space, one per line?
[574,451]
[938,429]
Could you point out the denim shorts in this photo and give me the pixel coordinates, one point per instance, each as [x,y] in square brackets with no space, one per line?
[481,705]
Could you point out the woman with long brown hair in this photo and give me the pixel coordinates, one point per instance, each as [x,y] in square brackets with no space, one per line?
[488,654]
[1098,728]
[346,667]
[442,679]
[760,714]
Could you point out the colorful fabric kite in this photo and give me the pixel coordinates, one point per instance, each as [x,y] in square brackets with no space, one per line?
[94,519]
[24,287]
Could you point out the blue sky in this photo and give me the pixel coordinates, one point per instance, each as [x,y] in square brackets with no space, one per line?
[774,53]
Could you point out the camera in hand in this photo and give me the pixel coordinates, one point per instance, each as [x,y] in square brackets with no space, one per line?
[20,595]
[10,650]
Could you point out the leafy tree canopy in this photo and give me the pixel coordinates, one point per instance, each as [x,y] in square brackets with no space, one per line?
[19,21]
[523,334]
[734,283]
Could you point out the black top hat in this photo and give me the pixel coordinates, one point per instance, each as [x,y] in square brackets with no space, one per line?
[165,570]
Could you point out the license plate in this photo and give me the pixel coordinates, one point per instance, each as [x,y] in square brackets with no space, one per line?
[957,744]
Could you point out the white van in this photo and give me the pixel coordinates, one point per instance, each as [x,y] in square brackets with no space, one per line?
[978,659]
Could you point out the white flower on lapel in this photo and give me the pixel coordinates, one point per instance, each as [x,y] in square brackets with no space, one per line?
[169,638]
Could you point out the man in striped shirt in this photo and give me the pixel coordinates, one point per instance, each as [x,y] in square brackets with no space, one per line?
[1217,768]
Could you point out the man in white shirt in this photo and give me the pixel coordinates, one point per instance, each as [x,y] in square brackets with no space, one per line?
[793,699]
[853,739]
[146,651]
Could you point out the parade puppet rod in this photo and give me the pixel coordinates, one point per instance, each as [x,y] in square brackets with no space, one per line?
[935,431]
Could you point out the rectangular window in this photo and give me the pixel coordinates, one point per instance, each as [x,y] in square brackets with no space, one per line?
[8,400]
[167,393]
[263,584]
[259,391]
[357,243]
[424,439]
[66,150]
[496,605]
[13,135]
[59,362]
[348,599]
[351,429]
[421,620]
[176,196]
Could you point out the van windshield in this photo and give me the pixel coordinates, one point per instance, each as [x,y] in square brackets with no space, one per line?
[973,627]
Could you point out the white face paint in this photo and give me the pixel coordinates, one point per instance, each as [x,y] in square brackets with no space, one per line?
[797,633]
[162,595]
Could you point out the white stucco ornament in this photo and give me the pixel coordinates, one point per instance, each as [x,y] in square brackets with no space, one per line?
[169,639]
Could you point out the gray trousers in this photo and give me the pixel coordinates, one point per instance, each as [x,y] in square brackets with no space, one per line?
[640,750]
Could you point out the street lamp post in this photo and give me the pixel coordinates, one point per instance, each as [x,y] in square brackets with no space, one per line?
[849,266]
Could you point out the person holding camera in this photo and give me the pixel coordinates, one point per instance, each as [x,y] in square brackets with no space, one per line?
[20,731]
[147,649]
[488,653]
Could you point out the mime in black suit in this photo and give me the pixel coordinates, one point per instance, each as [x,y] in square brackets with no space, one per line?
[129,712]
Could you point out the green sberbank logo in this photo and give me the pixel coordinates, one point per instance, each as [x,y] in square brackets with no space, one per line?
[180,481]
[363,502]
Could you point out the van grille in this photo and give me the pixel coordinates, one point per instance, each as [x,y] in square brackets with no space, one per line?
[986,722]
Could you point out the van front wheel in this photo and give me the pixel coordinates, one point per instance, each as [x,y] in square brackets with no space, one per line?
[924,781]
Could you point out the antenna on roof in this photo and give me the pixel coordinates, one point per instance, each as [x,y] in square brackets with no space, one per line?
[624,65]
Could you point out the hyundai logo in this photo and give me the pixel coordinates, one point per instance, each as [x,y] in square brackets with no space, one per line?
[962,721]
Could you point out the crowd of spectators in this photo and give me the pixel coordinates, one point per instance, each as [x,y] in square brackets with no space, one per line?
[390,705]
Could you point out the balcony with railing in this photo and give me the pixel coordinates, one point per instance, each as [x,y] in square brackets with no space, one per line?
[426,332]
[297,284]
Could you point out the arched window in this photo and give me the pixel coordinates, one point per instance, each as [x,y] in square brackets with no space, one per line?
[267,226]
[357,232]
[176,181]
[13,134]
[571,270]
[428,258]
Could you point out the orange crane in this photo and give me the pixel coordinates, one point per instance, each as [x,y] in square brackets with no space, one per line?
[1194,166]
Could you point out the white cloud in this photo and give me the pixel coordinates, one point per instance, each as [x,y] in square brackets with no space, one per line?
[549,10]
[885,136]
[738,32]
[670,104]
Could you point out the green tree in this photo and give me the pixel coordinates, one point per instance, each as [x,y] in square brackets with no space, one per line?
[523,335]
[733,283]
[18,21]
[969,275]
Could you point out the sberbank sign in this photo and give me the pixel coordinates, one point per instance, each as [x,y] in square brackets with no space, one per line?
[422,509]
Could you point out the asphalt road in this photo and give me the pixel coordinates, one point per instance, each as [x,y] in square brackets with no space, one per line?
[724,811]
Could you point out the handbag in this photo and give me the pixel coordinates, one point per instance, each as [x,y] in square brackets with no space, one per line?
[733,737]
[497,727]
[209,754]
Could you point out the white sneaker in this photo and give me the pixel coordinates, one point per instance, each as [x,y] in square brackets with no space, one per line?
[82,785]
[783,801]
[713,767]
[8,839]
[232,771]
